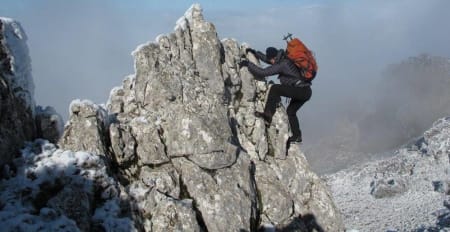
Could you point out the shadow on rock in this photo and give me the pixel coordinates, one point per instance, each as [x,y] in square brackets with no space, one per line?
[306,223]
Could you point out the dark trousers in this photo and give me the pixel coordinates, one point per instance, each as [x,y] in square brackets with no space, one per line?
[298,95]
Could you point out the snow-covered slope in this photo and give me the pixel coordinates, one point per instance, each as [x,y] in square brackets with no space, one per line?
[54,190]
[402,193]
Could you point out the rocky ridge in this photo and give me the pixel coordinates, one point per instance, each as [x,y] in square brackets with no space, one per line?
[176,148]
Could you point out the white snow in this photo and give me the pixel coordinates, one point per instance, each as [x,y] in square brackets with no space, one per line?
[182,22]
[98,110]
[42,162]
[139,48]
[21,79]
[419,165]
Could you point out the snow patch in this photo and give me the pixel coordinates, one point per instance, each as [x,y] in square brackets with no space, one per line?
[96,110]
[139,48]
[183,21]
[39,171]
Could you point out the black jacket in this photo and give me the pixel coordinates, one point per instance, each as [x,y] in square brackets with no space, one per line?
[287,71]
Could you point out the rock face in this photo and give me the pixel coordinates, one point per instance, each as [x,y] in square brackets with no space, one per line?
[16,91]
[408,192]
[49,124]
[183,138]
[20,120]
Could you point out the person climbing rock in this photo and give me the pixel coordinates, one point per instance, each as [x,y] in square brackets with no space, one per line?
[293,85]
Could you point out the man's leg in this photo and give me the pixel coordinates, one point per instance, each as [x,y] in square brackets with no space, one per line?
[273,99]
[292,109]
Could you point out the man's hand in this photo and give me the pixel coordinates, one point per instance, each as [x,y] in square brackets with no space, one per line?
[243,63]
[250,50]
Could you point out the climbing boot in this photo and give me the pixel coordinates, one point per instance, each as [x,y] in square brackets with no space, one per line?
[294,139]
[267,119]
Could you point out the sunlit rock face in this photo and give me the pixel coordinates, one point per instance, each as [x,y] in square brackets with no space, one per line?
[183,133]
[176,148]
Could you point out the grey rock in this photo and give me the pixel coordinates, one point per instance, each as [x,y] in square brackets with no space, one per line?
[122,99]
[123,144]
[15,62]
[193,89]
[173,215]
[165,180]
[221,196]
[437,139]
[74,203]
[188,149]
[303,188]
[149,146]
[158,200]
[16,91]
[277,203]
[217,159]
[86,128]
[388,188]
[49,124]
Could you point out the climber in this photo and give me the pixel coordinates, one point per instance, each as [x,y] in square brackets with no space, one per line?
[292,85]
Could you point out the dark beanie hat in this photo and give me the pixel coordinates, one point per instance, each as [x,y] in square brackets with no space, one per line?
[271,52]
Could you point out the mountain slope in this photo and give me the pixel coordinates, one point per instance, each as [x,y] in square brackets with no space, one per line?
[402,193]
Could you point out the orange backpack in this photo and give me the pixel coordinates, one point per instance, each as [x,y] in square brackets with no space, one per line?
[302,57]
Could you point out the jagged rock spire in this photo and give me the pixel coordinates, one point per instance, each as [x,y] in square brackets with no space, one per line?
[187,146]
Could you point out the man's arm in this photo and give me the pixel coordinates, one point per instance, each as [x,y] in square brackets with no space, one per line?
[259,55]
[264,72]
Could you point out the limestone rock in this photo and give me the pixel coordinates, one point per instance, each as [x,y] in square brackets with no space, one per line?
[16,91]
[172,215]
[189,110]
[187,148]
[86,128]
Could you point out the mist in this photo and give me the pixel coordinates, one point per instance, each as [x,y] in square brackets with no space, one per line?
[81,49]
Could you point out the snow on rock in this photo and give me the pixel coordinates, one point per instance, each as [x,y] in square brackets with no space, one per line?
[402,193]
[50,189]
[92,121]
[194,11]
[16,60]
[16,91]
[49,123]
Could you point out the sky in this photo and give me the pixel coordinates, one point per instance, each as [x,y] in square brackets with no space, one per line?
[82,49]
